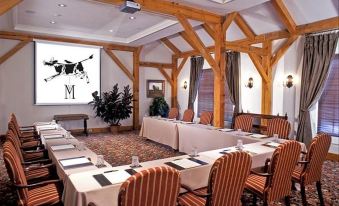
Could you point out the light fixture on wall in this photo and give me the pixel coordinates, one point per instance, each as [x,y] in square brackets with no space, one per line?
[249,83]
[288,82]
[185,85]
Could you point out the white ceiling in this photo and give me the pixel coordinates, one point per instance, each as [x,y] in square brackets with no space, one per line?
[92,20]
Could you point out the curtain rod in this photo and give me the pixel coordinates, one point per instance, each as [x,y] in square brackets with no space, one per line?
[322,32]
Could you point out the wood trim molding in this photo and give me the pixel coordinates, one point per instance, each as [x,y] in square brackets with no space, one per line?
[284,15]
[228,21]
[6,5]
[14,50]
[119,63]
[244,27]
[155,65]
[170,45]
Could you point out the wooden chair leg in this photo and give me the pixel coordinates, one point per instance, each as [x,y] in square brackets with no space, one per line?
[243,200]
[303,194]
[265,203]
[287,201]
[320,193]
[254,199]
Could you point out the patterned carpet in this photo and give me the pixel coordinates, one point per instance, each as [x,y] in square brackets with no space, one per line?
[118,150]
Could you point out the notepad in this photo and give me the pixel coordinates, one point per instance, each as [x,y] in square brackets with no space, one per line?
[272,144]
[259,136]
[226,130]
[118,176]
[186,163]
[62,147]
[43,123]
[54,136]
[47,127]
[187,122]
[75,161]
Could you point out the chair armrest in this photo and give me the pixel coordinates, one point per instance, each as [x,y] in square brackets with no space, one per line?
[38,184]
[35,167]
[261,174]
[36,162]
[303,162]
[194,192]
[35,151]
[268,160]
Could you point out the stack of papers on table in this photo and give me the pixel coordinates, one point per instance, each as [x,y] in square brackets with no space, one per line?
[272,144]
[62,147]
[185,163]
[118,176]
[42,123]
[53,136]
[75,162]
[47,127]
[259,136]
[187,122]
[226,130]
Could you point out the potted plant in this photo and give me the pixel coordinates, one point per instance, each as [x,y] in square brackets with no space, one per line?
[113,106]
[159,107]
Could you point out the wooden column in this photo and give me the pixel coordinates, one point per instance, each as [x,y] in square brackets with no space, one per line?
[174,86]
[266,95]
[136,60]
[219,78]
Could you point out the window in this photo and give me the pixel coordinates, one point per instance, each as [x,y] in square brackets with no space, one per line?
[328,105]
[206,95]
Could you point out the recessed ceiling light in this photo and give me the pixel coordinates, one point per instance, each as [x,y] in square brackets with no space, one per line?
[57,15]
[30,12]
[132,17]
[111,30]
[62,5]
[52,22]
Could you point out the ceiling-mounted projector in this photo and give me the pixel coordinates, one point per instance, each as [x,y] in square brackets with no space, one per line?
[130,7]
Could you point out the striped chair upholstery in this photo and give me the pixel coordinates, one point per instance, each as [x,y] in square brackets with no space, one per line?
[310,170]
[27,141]
[226,182]
[173,113]
[158,186]
[277,184]
[206,118]
[30,132]
[188,115]
[279,126]
[243,122]
[44,194]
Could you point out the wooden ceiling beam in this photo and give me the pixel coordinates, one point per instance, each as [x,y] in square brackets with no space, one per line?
[284,15]
[6,5]
[119,63]
[181,65]
[170,45]
[282,50]
[228,21]
[244,27]
[167,77]
[257,63]
[245,49]
[185,36]
[14,50]
[155,65]
[197,43]
[18,36]
[172,8]
[209,30]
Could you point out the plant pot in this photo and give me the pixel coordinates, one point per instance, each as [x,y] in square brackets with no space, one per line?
[114,129]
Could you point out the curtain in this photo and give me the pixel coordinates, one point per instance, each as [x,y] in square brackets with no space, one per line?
[232,78]
[196,71]
[318,53]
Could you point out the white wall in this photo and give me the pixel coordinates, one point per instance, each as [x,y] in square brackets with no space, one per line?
[17,86]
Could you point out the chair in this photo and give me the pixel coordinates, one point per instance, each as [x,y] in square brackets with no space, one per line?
[42,193]
[188,115]
[158,186]
[279,126]
[310,169]
[276,182]
[23,131]
[173,113]
[25,142]
[206,118]
[243,122]
[226,182]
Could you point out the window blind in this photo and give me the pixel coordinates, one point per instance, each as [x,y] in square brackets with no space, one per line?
[328,105]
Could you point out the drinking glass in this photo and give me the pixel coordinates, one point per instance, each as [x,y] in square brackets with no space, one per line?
[68,135]
[135,161]
[240,144]
[81,146]
[276,138]
[239,132]
[100,160]
[194,152]
[58,127]
[53,121]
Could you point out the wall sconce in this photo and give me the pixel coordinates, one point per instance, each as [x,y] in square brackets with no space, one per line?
[249,83]
[289,81]
[185,85]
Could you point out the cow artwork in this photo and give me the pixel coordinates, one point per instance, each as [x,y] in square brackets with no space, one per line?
[68,69]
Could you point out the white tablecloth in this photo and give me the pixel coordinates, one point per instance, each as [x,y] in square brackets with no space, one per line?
[162,131]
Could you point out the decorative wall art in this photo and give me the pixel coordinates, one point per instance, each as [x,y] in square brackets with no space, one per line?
[155,88]
[66,73]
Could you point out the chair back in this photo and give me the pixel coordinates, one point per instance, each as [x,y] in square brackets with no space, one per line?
[206,118]
[14,121]
[188,115]
[227,179]
[173,113]
[11,137]
[283,162]
[158,186]
[243,122]
[15,171]
[316,156]
[278,126]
